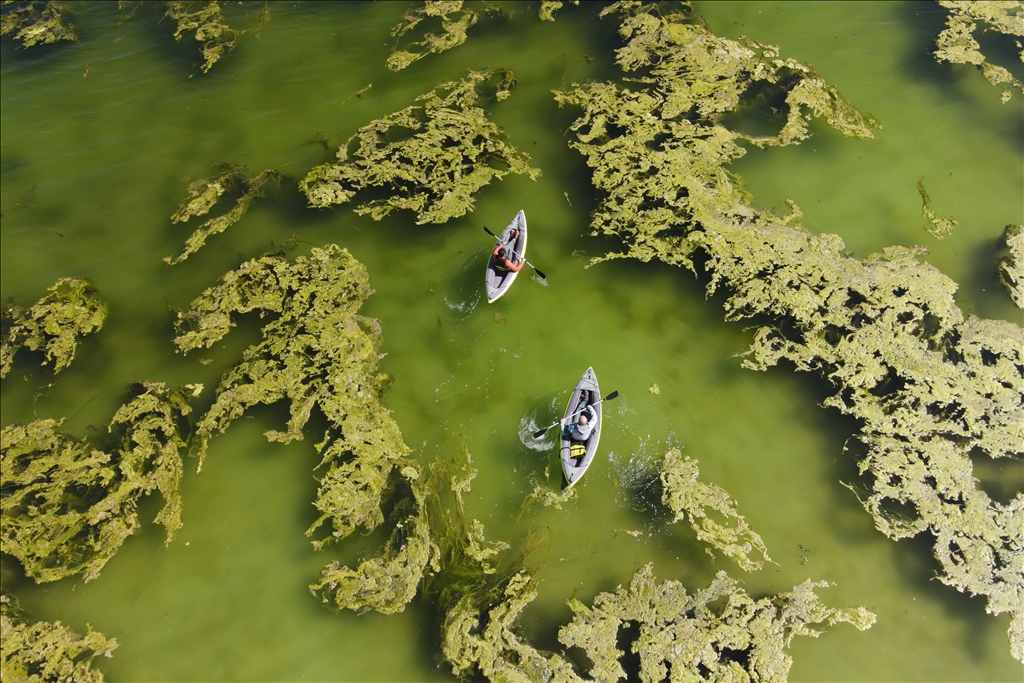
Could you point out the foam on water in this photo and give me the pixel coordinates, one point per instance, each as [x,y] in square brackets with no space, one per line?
[531,423]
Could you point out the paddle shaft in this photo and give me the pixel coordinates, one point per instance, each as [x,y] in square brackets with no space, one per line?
[540,433]
[539,271]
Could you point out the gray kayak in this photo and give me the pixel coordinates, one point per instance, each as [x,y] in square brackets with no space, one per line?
[498,280]
[577,455]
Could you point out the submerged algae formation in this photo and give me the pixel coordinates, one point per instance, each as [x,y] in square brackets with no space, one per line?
[46,651]
[36,23]
[204,194]
[931,388]
[718,633]
[692,500]
[956,43]
[453,151]
[1011,270]
[68,506]
[53,324]
[318,352]
[480,601]
[464,544]
[455,21]
[466,557]
[939,227]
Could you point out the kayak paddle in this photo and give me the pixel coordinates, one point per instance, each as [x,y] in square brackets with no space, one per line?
[540,433]
[539,271]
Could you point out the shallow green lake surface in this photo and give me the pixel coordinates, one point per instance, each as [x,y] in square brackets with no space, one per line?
[99,139]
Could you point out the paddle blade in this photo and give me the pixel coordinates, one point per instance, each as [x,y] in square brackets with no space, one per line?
[540,432]
[490,233]
[540,272]
[612,395]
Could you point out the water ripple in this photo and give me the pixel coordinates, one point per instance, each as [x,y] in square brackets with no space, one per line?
[534,421]
[463,287]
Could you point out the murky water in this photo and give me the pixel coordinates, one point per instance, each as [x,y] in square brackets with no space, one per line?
[98,138]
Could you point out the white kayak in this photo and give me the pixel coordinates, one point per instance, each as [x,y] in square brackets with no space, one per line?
[498,280]
[577,455]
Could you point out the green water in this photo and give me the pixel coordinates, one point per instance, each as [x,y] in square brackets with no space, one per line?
[99,137]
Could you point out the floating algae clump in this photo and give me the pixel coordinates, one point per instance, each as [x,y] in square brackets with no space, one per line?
[387,582]
[658,153]
[549,7]
[211,30]
[956,43]
[53,324]
[47,652]
[204,194]
[36,23]
[691,499]
[67,506]
[719,633]
[698,636]
[453,30]
[931,389]
[1011,270]
[478,633]
[453,152]
[433,543]
[940,227]
[548,497]
[318,352]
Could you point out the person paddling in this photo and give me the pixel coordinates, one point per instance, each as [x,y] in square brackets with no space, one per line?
[501,253]
[582,429]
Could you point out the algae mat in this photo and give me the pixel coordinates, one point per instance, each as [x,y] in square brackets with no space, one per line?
[104,138]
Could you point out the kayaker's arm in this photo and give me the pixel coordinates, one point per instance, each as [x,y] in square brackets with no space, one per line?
[588,411]
[510,247]
[505,263]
